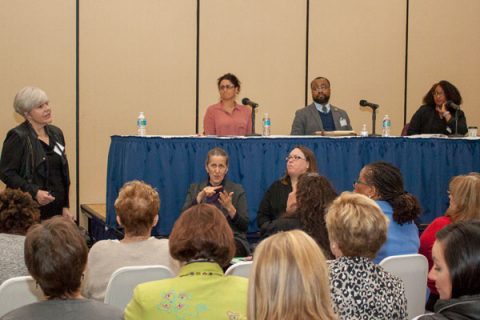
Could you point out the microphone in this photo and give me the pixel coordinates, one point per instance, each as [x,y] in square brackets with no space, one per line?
[451,104]
[249,102]
[365,103]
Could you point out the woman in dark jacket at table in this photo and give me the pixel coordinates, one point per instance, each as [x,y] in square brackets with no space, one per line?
[33,155]
[274,203]
[436,116]
[229,197]
[306,209]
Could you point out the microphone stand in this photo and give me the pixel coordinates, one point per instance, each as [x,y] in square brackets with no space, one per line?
[374,120]
[254,106]
[456,125]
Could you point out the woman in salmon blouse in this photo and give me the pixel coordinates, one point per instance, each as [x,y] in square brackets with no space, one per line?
[227,117]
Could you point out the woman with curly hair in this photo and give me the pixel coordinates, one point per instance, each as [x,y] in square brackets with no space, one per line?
[437,115]
[18,211]
[306,207]
[383,182]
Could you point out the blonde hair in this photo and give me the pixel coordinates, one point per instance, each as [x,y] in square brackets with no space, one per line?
[289,279]
[465,191]
[28,98]
[357,225]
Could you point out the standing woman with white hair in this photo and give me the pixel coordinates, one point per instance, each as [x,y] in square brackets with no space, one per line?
[33,155]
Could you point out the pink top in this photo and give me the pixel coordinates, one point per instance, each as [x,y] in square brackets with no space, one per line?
[219,122]
[426,243]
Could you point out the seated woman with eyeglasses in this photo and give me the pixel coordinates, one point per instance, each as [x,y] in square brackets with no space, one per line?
[383,182]
[274,203]
[226,195]
[306,208]
[437,115]
[227,117]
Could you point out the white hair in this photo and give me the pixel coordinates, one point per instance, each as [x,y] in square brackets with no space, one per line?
[29,98]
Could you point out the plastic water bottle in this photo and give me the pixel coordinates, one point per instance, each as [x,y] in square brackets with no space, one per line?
[266,125]
[386,126]
[141,124]
[364,132]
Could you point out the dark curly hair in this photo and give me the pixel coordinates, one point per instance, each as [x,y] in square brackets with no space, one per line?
[18,211]
[388,182]
[230,77]
[451,93]
[314,195]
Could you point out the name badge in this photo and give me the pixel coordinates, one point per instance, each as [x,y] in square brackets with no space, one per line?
[58,149]
[343,122]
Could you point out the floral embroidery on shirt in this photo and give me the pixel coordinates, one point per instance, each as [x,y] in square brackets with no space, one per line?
[178,304]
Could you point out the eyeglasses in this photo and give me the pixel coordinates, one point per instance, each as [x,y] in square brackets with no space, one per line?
[359,182]
[435,93]
[320,88]
[294,157]
[226,87]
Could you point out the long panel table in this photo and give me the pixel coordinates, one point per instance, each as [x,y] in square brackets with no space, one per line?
[171,164]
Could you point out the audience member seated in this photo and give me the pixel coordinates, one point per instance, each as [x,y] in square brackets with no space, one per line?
[18,211]
[56,256]
[456,272]
[361,289]
[137,208]
[464,205]
[289,279]
[274,202]
[229,197]
[435,115]
[203,241]
[227,117]
[306,208]
[383,183]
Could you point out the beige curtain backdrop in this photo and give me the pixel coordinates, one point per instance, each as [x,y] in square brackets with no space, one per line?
[141,56]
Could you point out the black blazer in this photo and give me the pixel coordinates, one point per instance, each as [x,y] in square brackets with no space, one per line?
[23,161]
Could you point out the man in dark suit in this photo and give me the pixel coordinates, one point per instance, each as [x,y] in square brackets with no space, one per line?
[320,115]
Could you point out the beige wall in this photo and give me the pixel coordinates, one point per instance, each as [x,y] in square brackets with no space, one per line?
[141,56]
[445,45]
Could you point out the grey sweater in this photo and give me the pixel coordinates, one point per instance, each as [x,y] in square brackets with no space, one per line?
[12,263]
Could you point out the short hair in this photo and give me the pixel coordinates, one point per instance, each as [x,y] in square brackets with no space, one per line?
[357,224]
[55,256]
[451,93]
[217,151]
[461,245]
[388,182]
[311,159]
[137,206]
[18,211]
[202,232]
[314,194]
[289,279]
[319,78]
[28,98]
[465,191]
[230,77]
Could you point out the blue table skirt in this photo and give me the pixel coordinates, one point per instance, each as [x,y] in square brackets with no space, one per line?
[171,164]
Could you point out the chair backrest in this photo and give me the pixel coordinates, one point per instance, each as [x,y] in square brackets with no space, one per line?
[413,270]
[241,269]
[17,292]
[124,280]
